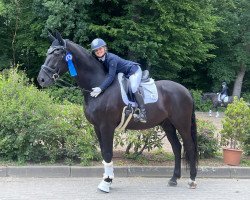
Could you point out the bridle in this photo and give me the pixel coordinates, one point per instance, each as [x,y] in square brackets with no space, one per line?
[55,72]
[47,69]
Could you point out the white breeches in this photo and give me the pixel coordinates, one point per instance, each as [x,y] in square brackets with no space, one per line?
[135,80]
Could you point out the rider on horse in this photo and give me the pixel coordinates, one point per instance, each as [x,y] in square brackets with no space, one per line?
[224,92]
[114,65]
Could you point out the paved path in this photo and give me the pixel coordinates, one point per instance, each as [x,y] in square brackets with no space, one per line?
[122,188]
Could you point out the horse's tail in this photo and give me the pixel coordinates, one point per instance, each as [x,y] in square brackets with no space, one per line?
[194,133]
[194,138]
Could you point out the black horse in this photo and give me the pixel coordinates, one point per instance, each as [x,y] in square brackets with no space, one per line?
[173,111]
[214,97]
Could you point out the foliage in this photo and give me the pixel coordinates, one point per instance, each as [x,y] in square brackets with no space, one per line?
[20,30]
[164,36]
[246,144]
[73,95]
[152,139]
[236,124]
[232,40]
[199,104]
[173,39]
[208,145]
[139,140]
[246,97]
[34,128]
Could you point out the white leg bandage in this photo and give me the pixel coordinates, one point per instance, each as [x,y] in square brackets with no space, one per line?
[217,114]
[108,170]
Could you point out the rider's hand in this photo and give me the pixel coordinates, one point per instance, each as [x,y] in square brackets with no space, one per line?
[95,91]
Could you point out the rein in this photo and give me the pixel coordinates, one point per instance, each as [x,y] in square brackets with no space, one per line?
[57,82]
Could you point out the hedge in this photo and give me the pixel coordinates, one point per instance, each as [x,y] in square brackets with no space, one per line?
[35,128]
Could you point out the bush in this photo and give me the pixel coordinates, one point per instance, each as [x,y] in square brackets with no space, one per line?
[73,95]
[34,128]
[200,105]
[149,139]
[246,144]
[139,140]
[246,97]
[236,125]
[208,145]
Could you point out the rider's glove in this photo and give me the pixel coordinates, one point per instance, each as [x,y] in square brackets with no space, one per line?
[95,91]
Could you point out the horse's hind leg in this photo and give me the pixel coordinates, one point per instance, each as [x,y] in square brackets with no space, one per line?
[190,147]
[176,146]
[185,123]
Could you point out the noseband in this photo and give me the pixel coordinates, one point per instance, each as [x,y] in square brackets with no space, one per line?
[47,69]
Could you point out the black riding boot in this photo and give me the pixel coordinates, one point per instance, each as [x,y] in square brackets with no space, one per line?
[141,105]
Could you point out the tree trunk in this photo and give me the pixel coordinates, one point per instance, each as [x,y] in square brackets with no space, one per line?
[239,80]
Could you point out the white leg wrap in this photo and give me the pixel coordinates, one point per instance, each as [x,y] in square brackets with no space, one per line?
[108,170]
[217,114]
[210,113]
[192,184]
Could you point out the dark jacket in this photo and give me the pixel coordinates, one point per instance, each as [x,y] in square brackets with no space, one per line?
[114,65]
[224,91]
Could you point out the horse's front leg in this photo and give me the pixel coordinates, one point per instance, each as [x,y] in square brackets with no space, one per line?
[105,136]
[217,112]
[108,176]
[210,113]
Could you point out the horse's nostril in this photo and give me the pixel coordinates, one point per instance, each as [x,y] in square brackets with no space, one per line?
[42,79]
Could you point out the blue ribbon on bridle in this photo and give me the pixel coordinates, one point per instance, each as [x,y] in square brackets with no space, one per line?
[72,69]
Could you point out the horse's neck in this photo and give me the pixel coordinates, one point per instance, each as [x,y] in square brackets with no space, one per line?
[213,96]
[90,71]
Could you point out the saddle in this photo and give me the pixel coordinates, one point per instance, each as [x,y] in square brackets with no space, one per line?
[148,90]
[224,100]
[126,85]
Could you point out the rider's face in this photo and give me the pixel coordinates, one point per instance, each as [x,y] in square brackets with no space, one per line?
[100,52]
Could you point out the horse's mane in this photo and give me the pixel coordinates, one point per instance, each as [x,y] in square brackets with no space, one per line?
[82,49]
[85,52]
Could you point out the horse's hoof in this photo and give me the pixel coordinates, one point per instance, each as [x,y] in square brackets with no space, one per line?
[192,184]
[172,183]
[104,186]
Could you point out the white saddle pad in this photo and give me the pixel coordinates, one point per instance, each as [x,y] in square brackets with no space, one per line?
[225,98]
[149,90]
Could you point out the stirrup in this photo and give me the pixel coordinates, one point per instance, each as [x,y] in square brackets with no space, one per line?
[142,120]
[142,117]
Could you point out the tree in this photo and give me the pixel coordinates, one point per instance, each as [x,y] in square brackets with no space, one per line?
[68,16]
[165,36]
[233,40]
[5,47]
[21,30]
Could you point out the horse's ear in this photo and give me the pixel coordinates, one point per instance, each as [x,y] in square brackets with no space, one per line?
[59,38]
[51,37]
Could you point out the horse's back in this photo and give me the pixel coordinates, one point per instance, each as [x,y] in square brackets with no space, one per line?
[174,98]
[173,89]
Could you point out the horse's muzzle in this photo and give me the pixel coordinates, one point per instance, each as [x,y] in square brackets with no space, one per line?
[44,79]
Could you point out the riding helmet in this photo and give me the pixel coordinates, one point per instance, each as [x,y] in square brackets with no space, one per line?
[97,43]
[224,83]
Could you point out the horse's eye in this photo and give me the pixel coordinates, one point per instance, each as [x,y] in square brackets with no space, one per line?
[57,52]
